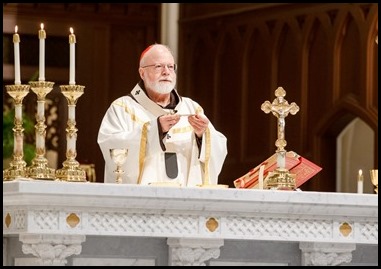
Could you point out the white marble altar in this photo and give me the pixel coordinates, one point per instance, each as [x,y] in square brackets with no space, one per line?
[51,223]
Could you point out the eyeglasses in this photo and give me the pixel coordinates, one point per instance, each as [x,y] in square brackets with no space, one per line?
[159,67]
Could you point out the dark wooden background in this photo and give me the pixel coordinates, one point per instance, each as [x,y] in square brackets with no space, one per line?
[232,57]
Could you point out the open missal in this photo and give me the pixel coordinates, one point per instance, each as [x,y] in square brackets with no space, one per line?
[301,167]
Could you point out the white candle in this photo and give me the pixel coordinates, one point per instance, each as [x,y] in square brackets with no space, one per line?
[72,57]
[360,182]
[42,36]
[16,41]
[260,178]
[281,159]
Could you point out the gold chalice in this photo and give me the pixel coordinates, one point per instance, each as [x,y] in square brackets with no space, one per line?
[119,157]
[374,179]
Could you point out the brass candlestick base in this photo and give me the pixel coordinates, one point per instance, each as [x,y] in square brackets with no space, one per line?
[17,167]
[71,170]
[280,179]
[39,168]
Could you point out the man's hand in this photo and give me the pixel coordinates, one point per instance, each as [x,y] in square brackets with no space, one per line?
[168,121]
[199,124]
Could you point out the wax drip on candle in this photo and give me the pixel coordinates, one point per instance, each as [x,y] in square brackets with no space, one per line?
[360,176]
[16,37]
[72,36]
[42,33]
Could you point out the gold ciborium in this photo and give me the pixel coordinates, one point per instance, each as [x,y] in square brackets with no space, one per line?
[374,179]
[119,157]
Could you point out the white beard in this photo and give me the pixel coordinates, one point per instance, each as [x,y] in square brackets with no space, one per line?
[162,87]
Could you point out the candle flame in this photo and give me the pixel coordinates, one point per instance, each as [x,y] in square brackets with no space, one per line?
[360,172]
[42,26]
[16,28]
[71,30]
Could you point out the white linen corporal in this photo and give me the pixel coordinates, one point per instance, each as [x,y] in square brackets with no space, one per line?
[132,124]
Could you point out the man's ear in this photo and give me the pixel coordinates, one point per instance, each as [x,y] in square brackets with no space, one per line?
[141,72]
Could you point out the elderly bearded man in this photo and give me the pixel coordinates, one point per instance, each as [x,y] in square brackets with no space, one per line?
[168,136]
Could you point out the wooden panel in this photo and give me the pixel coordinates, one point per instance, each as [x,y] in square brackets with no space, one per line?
[316,52]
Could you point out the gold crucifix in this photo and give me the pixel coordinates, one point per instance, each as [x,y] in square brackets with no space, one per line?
[280,109]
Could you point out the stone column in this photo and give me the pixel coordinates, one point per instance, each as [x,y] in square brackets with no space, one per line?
[52,250]
[193,252]
[326,254]
[170,26]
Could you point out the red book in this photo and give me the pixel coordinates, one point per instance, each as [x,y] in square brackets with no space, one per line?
[301,167]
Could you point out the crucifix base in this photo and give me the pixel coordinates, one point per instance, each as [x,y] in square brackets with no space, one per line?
[280,179]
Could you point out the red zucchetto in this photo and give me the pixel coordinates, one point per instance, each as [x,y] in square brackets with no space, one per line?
[145,51]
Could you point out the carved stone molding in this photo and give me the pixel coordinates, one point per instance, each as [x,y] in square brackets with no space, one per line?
[5,252]
[52,249]
[203,218]
[193,252]
[326,254]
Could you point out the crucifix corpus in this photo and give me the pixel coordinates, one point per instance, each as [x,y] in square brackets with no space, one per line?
[280,178]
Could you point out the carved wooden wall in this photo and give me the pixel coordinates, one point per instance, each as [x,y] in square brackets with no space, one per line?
[233,57]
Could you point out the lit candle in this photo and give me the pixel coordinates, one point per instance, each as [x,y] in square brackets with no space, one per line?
[16,41]
[360,182]
[72,57]
[42,36]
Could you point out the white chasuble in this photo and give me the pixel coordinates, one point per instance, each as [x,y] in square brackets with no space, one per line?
[132,124]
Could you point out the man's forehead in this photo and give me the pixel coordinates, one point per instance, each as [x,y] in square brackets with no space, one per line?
[158,53]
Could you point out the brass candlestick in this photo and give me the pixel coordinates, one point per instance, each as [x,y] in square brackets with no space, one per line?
[39,168]
[71,170]
[374,179]
[280,178]
[17,167]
